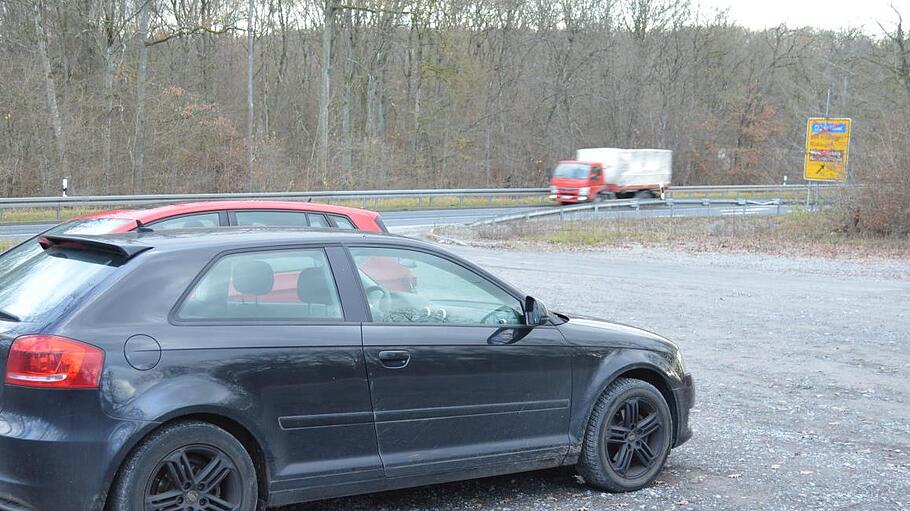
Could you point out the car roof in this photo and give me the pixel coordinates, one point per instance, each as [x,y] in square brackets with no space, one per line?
[235,237]
[146,215]
[221,239]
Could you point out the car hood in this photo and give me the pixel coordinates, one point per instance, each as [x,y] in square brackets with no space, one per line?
[591,332]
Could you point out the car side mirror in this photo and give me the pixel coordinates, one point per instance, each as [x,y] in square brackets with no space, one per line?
[536,313]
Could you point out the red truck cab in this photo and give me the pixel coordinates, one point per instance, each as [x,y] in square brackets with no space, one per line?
[577,181]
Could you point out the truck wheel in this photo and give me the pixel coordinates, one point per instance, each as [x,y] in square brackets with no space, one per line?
[628,437]
[644,194]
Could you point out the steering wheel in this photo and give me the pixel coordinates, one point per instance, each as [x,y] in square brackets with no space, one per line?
[385,298]
[498,310]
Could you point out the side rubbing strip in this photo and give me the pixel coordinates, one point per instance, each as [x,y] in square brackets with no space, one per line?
[325,420]
[445,412]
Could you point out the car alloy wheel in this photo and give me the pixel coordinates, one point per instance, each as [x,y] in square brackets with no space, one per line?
[633,438]
[195,478]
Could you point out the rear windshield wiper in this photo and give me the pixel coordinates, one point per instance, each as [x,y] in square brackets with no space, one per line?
[9,317]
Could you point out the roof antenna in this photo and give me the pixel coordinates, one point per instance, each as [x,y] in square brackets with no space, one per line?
[140,227]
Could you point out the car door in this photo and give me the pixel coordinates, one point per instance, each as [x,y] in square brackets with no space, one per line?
[458,381]
[288,324]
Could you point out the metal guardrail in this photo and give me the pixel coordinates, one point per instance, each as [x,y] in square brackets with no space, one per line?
[635,204]
[134,200]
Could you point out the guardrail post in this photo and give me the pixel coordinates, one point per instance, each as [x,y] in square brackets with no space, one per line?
[58,213]
[670,203]
[778,207]
[461,201]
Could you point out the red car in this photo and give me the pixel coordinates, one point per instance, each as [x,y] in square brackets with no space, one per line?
[392,275]
[225,213]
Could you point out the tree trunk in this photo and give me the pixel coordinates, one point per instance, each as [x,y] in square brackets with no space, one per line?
[106,131]
[139,125]
[249,92]
[53,111]
[347,96]
[323,136]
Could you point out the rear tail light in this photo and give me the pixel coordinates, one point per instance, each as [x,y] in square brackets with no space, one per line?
[50,361]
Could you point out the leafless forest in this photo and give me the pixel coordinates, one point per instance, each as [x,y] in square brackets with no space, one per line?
[138,96]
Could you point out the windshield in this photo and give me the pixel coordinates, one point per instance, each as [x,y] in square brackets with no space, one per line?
[572,170]
[34,281]
[85,226]
[90,226]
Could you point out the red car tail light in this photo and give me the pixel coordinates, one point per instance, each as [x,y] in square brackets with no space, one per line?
[50,361]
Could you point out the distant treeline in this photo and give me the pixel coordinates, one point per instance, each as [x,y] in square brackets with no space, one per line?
[152,95]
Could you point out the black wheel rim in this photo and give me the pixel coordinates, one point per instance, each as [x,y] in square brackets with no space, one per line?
[195,478]
[634,438]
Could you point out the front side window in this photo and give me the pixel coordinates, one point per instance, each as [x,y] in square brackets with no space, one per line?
[288,285]
[438,290]
[271,218]
[187,222]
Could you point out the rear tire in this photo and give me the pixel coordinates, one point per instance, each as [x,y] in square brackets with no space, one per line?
[644,194]
[187,465]
[628,437]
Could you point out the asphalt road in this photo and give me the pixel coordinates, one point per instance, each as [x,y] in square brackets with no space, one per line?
[802,369]
[403,221]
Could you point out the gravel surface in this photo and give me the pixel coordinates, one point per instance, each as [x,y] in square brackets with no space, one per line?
[802,369]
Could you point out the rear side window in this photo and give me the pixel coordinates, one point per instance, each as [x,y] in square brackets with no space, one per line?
[34,281]
[267,218]
[317,220]
[289,285]
[342,222]
[188,222]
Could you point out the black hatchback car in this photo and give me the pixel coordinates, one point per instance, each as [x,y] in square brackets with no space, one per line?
[231,370]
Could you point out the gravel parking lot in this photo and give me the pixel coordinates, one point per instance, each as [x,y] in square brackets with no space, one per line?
[802,369]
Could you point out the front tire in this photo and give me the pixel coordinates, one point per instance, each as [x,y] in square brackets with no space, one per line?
[628,437]
[187,466]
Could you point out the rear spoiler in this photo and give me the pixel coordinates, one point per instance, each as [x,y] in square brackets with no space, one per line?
[125,250]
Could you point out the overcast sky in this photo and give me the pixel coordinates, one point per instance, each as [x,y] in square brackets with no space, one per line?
[831,14]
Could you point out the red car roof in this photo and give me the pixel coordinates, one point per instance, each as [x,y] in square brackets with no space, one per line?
[364,219]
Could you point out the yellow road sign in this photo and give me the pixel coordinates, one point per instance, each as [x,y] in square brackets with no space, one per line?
[827,148]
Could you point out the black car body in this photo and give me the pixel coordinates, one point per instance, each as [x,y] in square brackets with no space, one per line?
[338,403]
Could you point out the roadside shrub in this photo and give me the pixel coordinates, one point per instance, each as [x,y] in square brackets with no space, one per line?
[881,206]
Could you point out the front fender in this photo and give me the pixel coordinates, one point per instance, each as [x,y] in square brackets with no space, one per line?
[595,368]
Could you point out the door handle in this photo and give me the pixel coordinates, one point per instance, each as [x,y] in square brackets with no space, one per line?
[394,359]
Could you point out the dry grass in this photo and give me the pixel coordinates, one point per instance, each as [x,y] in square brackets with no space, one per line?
[796,233]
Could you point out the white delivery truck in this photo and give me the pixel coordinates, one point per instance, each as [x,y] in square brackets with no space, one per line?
[607,172]
[631,172]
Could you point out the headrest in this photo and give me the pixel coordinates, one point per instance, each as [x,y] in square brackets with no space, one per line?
[312,287]
[253,277]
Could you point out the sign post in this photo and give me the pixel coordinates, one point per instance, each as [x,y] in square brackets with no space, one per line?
[827,149]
